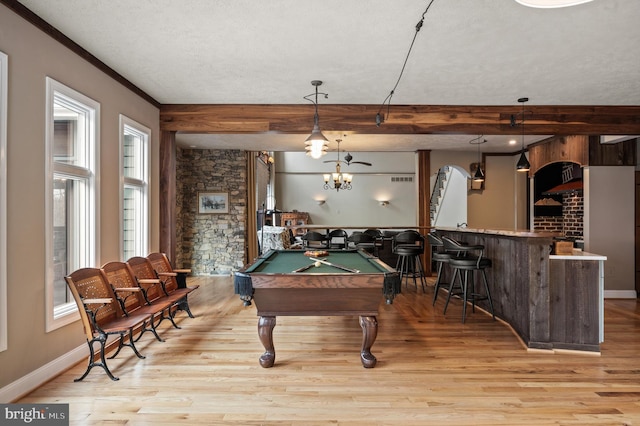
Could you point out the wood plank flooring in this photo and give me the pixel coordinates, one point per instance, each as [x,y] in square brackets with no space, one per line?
[431,370]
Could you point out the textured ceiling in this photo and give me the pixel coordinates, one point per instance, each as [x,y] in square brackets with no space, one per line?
[468,52]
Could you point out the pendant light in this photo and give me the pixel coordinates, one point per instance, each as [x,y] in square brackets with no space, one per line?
[316,144]
[478,176]
[523,164]
[546,4]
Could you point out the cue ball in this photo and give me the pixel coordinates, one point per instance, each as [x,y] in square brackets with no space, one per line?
[317,264]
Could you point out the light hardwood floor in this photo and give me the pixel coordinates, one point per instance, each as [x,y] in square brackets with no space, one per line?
[431,370]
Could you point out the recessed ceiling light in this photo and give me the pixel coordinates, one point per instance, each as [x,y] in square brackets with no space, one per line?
[513,142]
[551,3]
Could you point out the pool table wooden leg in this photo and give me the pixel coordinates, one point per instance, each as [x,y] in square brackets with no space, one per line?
[265,332]
[369,333]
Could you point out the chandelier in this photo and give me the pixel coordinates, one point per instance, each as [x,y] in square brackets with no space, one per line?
[337,180]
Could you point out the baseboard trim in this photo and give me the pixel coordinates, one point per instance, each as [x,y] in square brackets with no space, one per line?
[24,385]
[620,294]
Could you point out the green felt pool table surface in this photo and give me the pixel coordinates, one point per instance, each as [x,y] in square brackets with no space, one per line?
[287,261]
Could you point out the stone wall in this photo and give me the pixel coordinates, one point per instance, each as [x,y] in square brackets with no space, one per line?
[210,244]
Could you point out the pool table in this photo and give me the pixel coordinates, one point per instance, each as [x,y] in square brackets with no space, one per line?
[280,285]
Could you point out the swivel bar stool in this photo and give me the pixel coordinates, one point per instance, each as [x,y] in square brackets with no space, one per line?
[338,238]
[363,241]
[409,246]
[314,239]
[378,240]
[440,256]
[466,260]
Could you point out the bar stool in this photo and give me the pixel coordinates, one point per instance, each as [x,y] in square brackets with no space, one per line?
[409,246]
[440,256]
[465,262]
[363,241]
[313,239]
[378,240]
[338,238]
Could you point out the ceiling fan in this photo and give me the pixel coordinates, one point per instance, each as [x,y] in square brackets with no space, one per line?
[347,158]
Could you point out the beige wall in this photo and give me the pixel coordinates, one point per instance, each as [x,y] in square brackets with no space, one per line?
[497,206]
[32,57]
[299,184]
[609,224]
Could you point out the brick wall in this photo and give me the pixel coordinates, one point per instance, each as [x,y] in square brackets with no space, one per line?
[210,244]
[548,224]
[570,223]
[573,213]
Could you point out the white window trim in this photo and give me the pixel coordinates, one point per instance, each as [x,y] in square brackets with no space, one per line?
[4,60]
[128,122]
[67,313]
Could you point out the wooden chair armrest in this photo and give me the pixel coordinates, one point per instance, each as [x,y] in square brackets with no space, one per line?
[182,271]
[149,281]
[130,289]
[167,274]
[102,300]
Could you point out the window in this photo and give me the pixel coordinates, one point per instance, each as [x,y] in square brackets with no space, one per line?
[72,195]
[3,201]
[134,143]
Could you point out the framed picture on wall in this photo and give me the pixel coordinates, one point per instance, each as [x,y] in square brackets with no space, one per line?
[213,202]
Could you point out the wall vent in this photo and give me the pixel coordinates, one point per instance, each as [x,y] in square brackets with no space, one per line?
[402,179]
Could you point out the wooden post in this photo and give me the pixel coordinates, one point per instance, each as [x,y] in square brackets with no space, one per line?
[167,197]
[424,201]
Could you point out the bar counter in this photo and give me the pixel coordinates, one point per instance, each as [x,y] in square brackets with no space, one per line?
[551,301]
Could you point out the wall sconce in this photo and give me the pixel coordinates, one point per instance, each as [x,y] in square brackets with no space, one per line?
[321,202]
[384,203]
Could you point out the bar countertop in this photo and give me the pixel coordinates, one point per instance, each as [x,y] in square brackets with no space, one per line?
[524,233]
[576,255]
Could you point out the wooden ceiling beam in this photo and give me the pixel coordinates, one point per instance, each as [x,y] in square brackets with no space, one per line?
[402,119]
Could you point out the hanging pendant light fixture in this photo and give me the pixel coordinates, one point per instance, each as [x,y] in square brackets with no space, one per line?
[478,176]
[316,144]
[523,164]
[551,3]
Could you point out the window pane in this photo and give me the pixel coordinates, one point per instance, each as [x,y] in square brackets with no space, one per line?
[131,222]
[3,199]
[70,137]
[133,154]
[70,223]
[134,139]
